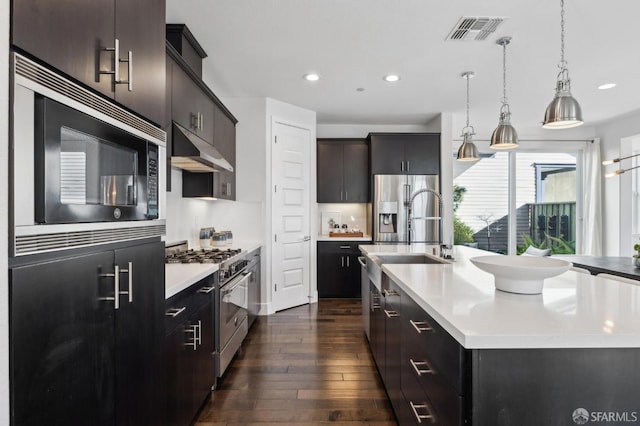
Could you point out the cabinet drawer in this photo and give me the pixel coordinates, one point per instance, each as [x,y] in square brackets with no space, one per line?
[418,408]
[184,304]
[423,332]
[446,403]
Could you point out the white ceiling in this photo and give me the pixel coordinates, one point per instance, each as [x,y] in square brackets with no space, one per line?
[261,48]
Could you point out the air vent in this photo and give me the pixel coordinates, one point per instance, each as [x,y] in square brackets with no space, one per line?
[52,81]
[45,242]
[474,28]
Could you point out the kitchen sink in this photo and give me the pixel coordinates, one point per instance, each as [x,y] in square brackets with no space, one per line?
[374,263]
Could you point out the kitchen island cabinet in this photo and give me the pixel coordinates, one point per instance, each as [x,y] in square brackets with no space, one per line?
[473,355]
[75,37]
[82,351]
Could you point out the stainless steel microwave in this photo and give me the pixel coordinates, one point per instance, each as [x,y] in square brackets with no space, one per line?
[84,170]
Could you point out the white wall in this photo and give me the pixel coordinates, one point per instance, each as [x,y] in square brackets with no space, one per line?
[362,130]
[615,138]
[4,211]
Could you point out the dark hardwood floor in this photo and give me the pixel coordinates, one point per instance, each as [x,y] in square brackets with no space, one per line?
[304,366]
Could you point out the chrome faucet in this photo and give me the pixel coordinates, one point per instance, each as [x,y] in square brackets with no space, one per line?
[409,204]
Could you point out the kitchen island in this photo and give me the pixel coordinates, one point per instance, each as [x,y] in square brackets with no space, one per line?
[620,266]
[466,353]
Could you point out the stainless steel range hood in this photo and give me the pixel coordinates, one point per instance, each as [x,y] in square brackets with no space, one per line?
[190,152]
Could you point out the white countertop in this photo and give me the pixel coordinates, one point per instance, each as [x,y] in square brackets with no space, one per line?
[574,310]
[179,276]
[328,238]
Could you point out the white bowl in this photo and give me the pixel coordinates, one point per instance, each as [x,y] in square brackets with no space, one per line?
[521,274]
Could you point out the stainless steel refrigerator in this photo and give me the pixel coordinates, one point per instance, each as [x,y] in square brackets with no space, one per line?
[407,208]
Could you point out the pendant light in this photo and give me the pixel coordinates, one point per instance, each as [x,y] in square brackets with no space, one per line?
[564,111]
[504,136]
[468,150]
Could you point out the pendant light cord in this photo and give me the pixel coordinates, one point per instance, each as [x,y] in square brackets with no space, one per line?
[467,78]
[504,74]
[563,64]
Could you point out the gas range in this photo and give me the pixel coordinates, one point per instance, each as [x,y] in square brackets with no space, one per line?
[231,261]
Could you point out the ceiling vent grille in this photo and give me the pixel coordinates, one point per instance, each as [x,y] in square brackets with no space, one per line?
[474,28]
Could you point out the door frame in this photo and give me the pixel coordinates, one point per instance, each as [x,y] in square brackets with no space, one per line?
[313,210]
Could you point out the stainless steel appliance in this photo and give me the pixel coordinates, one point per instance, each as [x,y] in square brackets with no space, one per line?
[231,296]
[407,208]
[82,166]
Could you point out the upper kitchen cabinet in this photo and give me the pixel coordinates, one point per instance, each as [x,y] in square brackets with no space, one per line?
[225,141]
[190,106]
[343,171]
[405,153]
[114,47]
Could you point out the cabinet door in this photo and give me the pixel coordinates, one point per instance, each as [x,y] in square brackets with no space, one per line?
[422,154]
[225,142]
[202,357]
[140,27]
[139,332]
[387,154]
[356,172]
[69,36]
[190,107]
[330,270]
[329,172]
[62,342]
[179,382]
[377,338]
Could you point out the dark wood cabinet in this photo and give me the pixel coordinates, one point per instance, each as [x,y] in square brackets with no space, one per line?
[190,106]
[188,351]
[225,141]
[255,285]
[342,171]
[338,269]
[405,153]
[74,354]
[73,37]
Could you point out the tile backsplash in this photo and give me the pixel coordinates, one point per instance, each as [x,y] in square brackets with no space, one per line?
[354,215]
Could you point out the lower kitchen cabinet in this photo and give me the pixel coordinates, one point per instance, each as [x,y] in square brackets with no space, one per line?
[82,350]
[188,351]
[338,269]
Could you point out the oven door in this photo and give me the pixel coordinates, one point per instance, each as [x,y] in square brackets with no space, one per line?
[233,307]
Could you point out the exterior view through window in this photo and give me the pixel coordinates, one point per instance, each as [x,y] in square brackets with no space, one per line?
[545,198]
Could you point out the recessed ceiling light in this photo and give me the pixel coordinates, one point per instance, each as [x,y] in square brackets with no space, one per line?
[311,77]
[391,78]
[360,89]
[607,86]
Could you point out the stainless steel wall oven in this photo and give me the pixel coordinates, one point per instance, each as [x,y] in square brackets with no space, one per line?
[84,170]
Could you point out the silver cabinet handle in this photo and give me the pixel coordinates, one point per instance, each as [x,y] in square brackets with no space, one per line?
[391,314]
[346,196]
[402,166]
[421,326]
[174,312]
[206,290]
[408,168]
[420,417]
[342,260]
[420,371]
[375,301]
[116,60]
[390,293]
[116,286]
[348,262]
[129,62]
[345,247]
[194,340]
[199,337]
[200,121]
[129,271]
[340,195]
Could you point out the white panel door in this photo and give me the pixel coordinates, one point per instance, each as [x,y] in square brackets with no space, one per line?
[291,216]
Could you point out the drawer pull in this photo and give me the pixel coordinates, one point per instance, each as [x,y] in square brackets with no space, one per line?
[417,367]
[421,417]
[206,290]
[174,312]
[345,247]
[391,314]
[421,326]
[390,293]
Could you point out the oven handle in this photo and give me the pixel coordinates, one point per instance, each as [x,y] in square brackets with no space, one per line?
[230,287]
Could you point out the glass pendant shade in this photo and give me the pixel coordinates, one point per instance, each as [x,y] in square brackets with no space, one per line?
[468,150]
